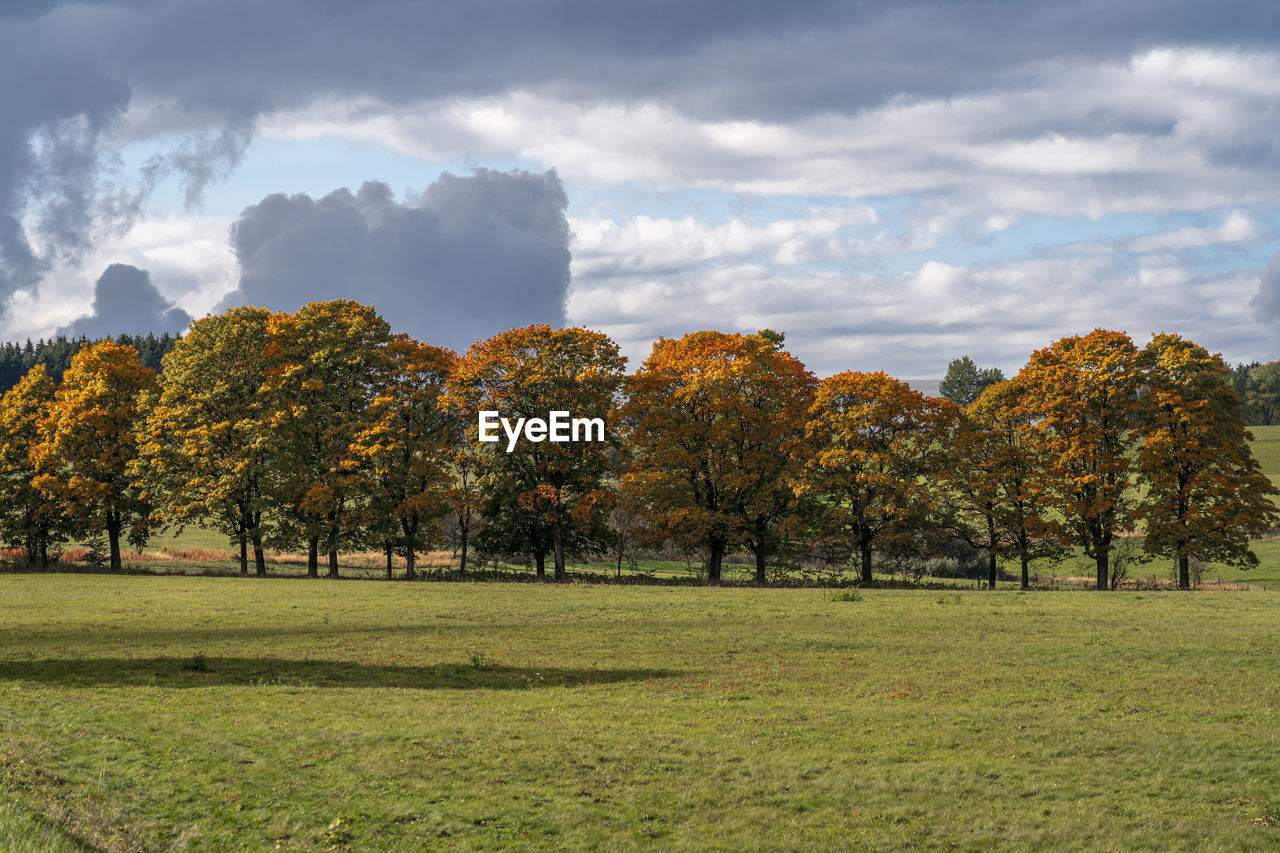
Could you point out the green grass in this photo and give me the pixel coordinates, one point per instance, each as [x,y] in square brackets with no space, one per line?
[372,716]
[1266,449]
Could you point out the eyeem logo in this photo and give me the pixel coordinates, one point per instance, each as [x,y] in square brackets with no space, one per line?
[558,427]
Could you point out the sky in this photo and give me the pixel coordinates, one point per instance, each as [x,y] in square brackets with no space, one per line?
[893,185]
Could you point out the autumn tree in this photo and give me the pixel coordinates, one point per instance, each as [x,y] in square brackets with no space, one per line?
[872,445]
[88,439]
[408,444]
[205,447]
[1082,393]
[28,518]
[1206,496]
[964,381]
[325,364]
[544,497]
[712,421]
[466,496]
[993,489]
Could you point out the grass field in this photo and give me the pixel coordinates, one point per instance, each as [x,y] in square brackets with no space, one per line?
[211,713]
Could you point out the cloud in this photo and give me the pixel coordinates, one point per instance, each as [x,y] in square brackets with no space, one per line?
[125,301]
[473,255]
[911,323]
[975,115]
[1236,228]
[1168,129]
[1266,302]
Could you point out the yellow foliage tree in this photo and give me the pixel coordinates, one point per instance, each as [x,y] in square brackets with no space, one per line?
[1206,496]
[408,445]
[28,517]
[1083,397]
[325,365]
[204,448]
[88,439]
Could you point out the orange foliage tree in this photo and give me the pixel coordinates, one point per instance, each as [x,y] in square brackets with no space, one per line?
[1206,496]
[88,439]
[872,445]
[1083,396]
[993,490]
[712,420]
[408,446]
[545,497]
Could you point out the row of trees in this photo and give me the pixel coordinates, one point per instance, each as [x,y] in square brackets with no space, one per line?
[322,428]
[1258,386]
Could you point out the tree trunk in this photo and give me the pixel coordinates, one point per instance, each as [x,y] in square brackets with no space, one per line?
[991,569]
[1184,572]
[540,561]
[1102,570]
[557,549]
[716,559]
[244,552]
[313,557]
[333,562]
[113,536]
[387,546]
[410,529]
[1026,570]
[866,562]
[259,558]
[621,540]
[462,566]
[761,579]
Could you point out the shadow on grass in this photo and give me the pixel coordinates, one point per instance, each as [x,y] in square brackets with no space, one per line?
[270,672]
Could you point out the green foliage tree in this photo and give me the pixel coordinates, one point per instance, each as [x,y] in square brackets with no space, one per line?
[544,497]
[88,440]
[964,381]
[204,449]
[1205,493]
[1262,395]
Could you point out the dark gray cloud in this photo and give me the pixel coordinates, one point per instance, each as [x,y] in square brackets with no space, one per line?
[207,71]
[125,301]
[471,256]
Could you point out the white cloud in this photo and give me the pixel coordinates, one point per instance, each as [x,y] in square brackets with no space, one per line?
[912,323]
[1236,228]
[188,257]
[1161,132]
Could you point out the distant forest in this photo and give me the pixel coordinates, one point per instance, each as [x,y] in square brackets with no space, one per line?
[55,354]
